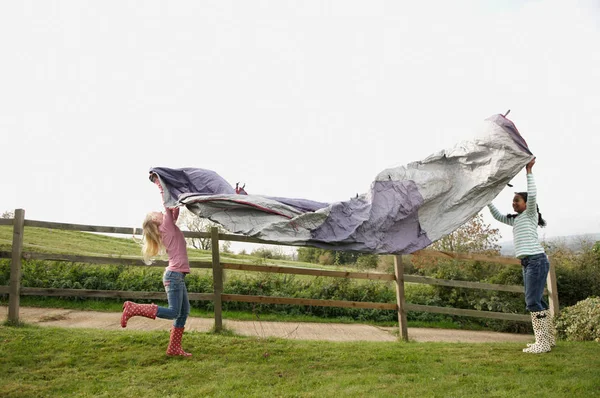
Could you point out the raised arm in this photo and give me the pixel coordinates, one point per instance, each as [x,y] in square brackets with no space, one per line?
[155,180]
[174,213]
[171,213]
[531,191]
[499,216]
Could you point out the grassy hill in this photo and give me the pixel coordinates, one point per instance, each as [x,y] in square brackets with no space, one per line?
[136,278]
[69,242]
[44,240]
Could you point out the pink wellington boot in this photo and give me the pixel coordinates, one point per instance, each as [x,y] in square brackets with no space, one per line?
[132,309]
[174,348]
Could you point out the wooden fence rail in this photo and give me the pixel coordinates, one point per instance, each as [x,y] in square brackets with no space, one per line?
[15,291]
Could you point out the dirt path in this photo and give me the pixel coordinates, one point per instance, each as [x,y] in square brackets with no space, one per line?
[289,330]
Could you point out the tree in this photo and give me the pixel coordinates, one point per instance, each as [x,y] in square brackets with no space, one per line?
[8,214]
[197,224]
[270,252]
[309,254]
[475,236]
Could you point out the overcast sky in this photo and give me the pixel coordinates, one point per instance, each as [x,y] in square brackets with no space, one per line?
[307,99]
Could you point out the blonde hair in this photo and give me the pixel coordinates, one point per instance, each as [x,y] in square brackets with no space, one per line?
[152,241]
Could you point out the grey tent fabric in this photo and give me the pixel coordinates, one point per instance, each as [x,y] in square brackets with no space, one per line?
[406,208]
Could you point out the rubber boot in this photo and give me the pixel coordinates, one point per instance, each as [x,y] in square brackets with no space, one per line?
[132,309]
[541,330]
[550,327]
[174,348]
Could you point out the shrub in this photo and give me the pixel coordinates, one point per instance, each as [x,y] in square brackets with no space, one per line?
[577,273]
[577,276]
[386,264]
[326,259]
[578,282]
[483,300]
[275,254]
[367,261]
[580,322]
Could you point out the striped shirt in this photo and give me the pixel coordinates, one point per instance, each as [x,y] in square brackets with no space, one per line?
[524,225]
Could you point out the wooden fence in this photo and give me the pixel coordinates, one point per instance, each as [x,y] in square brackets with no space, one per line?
[15,291]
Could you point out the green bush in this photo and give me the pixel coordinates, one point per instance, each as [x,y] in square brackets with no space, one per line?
[577,272]
[580,322]
[576,283]
[367,261]
[578,276]
[322,288]
[113,277]
[275,254]
[478,299]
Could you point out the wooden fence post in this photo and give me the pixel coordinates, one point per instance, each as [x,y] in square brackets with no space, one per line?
[217,279]
[399,271]
[14,292]
[552,290]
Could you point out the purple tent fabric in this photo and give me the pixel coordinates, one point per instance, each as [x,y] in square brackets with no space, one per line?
[405,209]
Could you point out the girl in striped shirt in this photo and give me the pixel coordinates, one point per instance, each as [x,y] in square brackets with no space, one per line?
[533,259]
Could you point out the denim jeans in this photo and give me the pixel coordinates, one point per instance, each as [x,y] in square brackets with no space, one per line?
[179,305]
[535,272]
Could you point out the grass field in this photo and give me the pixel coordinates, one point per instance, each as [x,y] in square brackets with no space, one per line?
[51,362]
[43,240]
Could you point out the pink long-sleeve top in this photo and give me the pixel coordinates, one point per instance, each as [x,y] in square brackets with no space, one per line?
[174,242]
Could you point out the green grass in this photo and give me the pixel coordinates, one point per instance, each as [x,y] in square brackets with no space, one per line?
[44,240]
[69,242]
[51,362]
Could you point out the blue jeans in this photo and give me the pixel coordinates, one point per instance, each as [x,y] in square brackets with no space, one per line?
[179,305]
[535,272]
